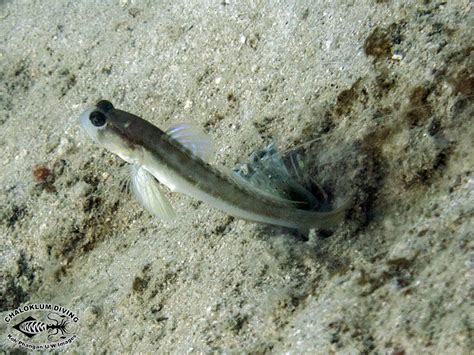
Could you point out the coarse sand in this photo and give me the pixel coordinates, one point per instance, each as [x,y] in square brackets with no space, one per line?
[382,89]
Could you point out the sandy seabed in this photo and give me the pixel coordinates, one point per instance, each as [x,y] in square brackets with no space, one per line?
[383,88]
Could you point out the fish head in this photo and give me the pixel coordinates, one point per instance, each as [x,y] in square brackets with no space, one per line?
[109,128]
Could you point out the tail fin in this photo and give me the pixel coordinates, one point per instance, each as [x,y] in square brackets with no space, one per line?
[325,220]
[285,179]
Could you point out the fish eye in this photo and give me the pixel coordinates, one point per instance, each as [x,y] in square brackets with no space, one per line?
[97,118]
[104,105]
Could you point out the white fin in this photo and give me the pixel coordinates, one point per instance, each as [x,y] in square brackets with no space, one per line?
[194,139]
[267,173]
[147,190]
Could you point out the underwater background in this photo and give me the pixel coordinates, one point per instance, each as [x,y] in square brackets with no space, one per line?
[382,90]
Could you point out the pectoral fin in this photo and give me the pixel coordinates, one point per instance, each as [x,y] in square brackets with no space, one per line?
[192,138]
[147,190]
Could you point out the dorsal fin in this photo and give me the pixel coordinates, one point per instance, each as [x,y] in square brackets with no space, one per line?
[267,173]
[194,139]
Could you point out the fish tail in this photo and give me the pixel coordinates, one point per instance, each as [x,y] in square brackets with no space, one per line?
[323,220]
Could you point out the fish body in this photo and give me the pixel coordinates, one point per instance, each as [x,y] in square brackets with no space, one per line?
[176,159]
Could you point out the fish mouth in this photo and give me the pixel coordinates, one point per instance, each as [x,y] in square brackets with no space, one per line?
[86,124]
